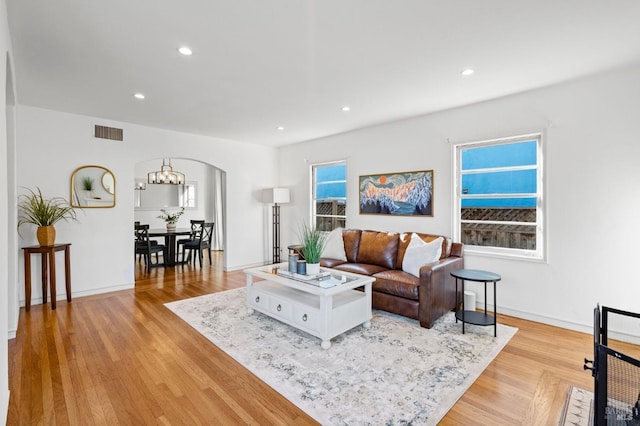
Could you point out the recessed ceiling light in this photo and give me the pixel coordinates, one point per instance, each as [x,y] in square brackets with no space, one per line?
[467,71]
[138,96]
[279,128]
[185,51]
[346,108]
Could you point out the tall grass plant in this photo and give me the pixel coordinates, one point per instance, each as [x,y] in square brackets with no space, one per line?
[35,209]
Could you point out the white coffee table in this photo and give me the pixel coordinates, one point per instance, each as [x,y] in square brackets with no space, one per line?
[321,312]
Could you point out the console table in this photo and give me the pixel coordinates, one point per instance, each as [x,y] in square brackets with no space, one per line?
[48,257]
[471,316]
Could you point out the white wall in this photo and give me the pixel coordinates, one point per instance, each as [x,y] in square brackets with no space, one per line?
[592,159]
[52,144]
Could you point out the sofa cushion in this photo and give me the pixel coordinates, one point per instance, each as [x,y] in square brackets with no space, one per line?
[404,240]
[334,246]
[378,248]
[326,262]
[420,253]
[397,283]
[351,238]
[360,268]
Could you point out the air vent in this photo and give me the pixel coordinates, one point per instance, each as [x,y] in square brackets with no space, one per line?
[111,133]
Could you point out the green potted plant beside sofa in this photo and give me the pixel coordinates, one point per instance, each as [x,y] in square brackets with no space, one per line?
[44,213]
[313,242]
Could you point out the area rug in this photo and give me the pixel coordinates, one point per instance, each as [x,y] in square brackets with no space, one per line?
[393,373]
[578,409]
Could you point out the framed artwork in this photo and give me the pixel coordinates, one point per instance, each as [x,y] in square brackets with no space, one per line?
[407,193]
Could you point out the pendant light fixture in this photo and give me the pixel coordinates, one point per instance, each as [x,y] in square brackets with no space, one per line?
[166,175]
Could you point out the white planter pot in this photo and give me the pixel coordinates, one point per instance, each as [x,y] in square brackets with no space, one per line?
[313,268]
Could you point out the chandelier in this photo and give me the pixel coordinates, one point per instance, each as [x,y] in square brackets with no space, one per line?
[166,175]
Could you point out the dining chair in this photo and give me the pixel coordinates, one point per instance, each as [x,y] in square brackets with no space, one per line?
[135,243]
[201,243]
[196,228]
[146,247]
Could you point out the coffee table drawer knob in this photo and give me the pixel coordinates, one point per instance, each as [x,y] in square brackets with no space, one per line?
[257,299]
[304,317]
[279,308]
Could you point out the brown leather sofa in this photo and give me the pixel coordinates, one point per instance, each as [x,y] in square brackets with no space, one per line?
[380,254]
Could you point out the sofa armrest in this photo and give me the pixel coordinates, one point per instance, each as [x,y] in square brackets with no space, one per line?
[437,290]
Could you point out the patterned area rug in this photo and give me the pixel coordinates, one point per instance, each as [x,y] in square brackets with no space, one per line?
[392,373]
[578,410]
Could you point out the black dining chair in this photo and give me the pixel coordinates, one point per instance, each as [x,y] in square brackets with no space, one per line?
[135,243]
[196,228]
[145,247]
[200,244]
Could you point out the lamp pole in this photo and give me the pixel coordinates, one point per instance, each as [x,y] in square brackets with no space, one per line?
[276,196]
[276,233]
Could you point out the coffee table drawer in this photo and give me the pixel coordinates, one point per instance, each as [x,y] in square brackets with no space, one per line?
[280,307]
[259,299]
[306,317]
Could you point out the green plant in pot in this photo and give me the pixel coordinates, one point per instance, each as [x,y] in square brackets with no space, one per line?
[313,242]
[171,218]
[44,213]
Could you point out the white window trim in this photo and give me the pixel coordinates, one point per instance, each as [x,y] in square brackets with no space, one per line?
[538,255]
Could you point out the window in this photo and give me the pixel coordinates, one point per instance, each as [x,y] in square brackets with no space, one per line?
[187,195]
[499,196]
[329,195]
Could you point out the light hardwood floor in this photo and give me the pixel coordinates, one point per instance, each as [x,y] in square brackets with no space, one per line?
[123,358]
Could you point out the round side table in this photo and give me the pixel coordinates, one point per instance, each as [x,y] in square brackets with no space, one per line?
[471,316]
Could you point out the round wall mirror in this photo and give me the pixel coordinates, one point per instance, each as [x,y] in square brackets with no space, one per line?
[93,187]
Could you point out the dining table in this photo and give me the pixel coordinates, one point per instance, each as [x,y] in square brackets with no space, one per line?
[170,242]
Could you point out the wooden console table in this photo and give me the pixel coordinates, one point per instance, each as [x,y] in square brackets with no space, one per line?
[48,257]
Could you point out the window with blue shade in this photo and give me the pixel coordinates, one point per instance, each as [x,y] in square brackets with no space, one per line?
[499,196]
[329,197]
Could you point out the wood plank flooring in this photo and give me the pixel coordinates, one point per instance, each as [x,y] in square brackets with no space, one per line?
[122,358]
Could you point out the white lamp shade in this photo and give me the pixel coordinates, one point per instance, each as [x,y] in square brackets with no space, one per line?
[276,195]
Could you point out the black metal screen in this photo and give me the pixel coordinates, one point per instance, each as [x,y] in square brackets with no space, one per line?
[616,376]
[617,388]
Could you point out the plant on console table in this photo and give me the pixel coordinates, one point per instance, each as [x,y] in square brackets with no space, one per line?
[171,218]
[313,242]
[44,213]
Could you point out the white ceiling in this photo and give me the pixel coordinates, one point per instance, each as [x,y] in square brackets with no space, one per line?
[260,64]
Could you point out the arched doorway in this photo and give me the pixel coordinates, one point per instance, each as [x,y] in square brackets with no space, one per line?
[203,196]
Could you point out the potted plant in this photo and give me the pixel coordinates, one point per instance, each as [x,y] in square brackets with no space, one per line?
[313,242]
[44,213]
[171,218]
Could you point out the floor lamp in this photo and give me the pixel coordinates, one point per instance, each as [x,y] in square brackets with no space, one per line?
[276,196]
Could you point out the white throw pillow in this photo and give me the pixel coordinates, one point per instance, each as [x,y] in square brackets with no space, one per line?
[334,247]
[420,253]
